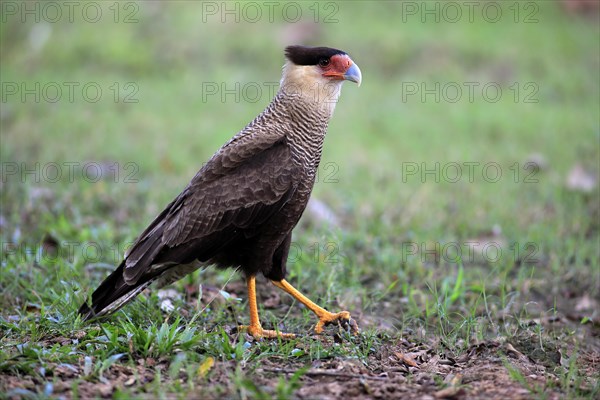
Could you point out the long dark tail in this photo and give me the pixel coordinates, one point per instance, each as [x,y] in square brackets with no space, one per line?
[111,295]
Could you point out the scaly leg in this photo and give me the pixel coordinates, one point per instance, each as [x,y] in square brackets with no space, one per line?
[255,329]
[325,317]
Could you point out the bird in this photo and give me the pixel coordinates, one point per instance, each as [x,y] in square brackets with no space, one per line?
[240,208]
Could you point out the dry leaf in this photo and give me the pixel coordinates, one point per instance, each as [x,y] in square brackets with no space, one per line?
[272,301]
[450,392]
[581,180]
[456,380]
[406,359]
[205,367]
[166,297]
[585,303]
[321,213]
[511,350]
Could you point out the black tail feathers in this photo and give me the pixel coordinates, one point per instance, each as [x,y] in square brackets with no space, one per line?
[112,294]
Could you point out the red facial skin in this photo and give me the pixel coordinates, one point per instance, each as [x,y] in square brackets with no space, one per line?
[337,67]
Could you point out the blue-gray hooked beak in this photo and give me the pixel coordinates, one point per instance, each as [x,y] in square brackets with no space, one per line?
[353,74]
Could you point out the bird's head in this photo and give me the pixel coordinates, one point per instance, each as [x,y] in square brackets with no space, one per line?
[317,73]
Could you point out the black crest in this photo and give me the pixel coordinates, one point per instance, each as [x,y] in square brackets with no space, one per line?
[304,55]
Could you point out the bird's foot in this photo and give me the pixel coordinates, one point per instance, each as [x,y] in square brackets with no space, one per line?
[259,333]
[342,318]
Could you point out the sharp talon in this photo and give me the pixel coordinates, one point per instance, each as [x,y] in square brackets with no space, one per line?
[344,324]
[354,326]
[343,320]
[349,325]
[325,317]
[258,333]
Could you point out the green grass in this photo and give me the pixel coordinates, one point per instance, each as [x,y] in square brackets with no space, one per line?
[407,257]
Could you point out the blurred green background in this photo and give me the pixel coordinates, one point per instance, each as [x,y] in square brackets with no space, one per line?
[542,57]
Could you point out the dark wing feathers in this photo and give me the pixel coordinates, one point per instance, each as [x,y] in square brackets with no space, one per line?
[231,195]
[256,184]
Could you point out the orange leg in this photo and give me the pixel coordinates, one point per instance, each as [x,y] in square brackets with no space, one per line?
[255,328]
[325,317]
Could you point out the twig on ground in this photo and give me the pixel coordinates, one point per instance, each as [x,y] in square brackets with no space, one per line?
[316,372]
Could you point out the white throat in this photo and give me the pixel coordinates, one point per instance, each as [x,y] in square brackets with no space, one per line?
[307,81]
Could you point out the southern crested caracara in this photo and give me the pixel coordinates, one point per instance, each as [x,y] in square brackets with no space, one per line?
[240,208]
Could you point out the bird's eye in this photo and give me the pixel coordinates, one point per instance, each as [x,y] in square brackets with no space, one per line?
[324,62]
